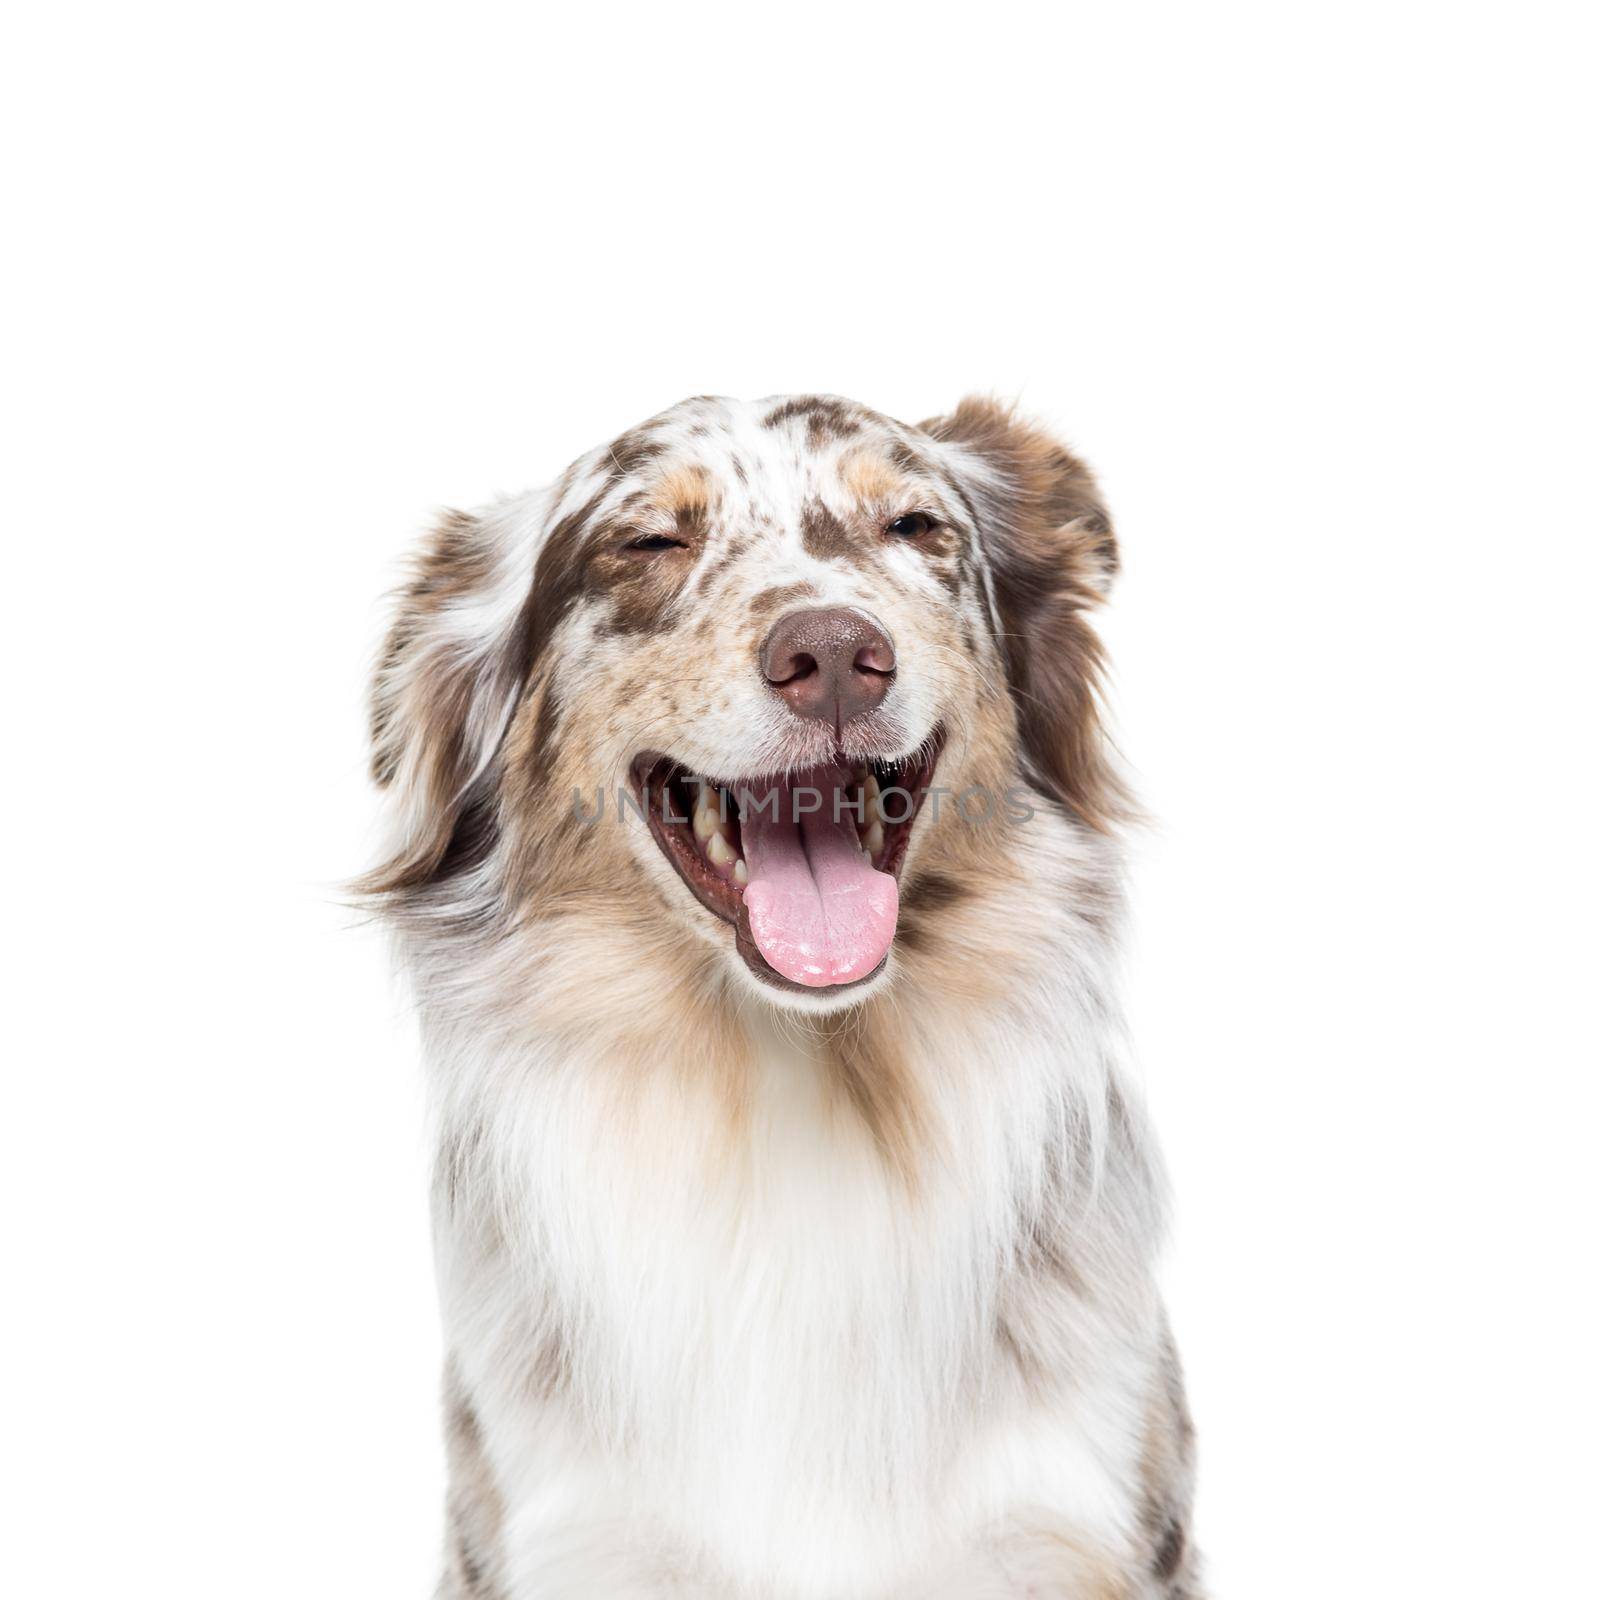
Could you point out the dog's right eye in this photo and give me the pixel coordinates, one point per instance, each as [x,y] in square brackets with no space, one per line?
[911,526]
[649,543]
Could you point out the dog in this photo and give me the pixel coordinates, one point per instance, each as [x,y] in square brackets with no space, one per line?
[753,856]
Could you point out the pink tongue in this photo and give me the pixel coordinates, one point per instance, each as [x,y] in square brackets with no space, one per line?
[820,914]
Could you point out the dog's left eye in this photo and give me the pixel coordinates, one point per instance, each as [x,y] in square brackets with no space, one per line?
[651,542]
[909,526]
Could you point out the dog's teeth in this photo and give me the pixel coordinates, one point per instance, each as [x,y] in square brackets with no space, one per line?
[741,873]
[872,839]
[706,823]
[722,853]
[874,809]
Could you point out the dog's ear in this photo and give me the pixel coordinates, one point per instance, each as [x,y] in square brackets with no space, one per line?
[1047,540]
[446,683]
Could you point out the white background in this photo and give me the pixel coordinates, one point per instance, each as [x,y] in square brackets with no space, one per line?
[1314,292]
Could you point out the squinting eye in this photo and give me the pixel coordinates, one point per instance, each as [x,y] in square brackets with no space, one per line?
[910,526]
[650,542]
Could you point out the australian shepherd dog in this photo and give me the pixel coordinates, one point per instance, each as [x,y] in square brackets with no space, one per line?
[753,856]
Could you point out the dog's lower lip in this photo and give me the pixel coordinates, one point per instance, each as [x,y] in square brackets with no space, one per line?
[666,791]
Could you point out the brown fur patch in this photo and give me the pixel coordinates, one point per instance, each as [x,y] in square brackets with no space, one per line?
[685,492]
[1167,1471]
[826,418]
[631,451]
[1052,555]
[475,1508]
[927,896]
[771,601]
[826,537]
[870,478]
[641,589]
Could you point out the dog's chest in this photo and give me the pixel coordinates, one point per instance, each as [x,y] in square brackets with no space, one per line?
[765,1330]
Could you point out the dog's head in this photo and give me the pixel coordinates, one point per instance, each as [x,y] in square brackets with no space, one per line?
[753,679]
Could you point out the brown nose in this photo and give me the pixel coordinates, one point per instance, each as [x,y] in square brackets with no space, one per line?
[830,665]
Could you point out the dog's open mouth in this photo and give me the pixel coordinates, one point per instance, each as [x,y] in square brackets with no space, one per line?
[805,866]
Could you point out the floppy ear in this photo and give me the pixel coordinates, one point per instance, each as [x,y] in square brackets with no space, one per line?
[446,683]
[1046,538]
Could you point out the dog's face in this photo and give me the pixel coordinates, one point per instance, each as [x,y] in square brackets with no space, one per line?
[704,689]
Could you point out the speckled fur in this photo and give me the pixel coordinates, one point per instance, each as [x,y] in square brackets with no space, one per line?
[750,1294]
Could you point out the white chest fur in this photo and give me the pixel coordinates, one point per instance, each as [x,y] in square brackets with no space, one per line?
[752,1334]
